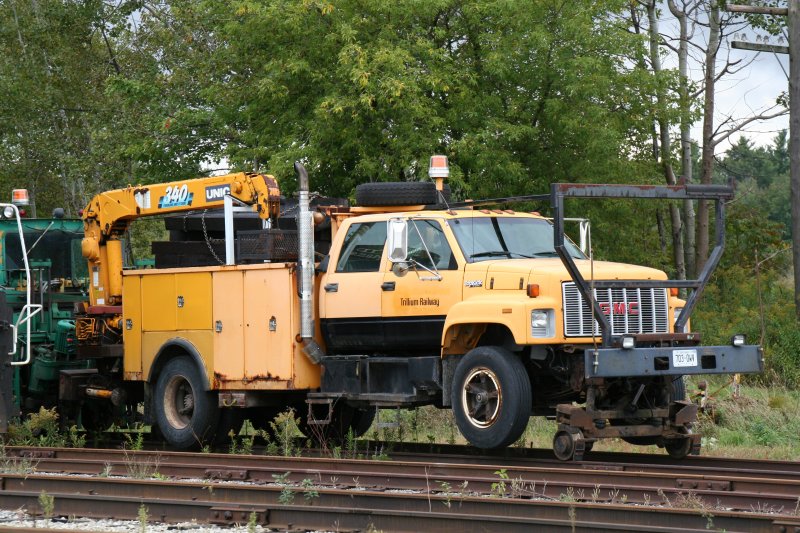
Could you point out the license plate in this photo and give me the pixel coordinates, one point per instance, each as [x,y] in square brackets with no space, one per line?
[684,358]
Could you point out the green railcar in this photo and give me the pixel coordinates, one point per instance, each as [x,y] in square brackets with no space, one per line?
[58,281]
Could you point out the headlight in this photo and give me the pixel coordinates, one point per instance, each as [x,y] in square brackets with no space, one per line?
[8,212]
[542,323]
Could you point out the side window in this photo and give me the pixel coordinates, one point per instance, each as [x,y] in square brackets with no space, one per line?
[434,240]
[362,249]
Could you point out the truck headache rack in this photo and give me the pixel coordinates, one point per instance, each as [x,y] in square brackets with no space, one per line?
[611,359]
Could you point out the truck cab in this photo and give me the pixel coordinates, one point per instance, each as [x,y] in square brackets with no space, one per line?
[498,315]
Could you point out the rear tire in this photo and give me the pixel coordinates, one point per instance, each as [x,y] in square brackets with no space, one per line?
[491,397]
[185,412]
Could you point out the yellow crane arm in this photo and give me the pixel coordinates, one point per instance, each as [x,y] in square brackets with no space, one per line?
[109,214]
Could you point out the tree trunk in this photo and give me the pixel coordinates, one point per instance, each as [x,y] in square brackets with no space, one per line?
[686,139]
[666,146]
[707,161]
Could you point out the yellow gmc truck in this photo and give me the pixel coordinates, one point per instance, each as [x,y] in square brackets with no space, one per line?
[407,299]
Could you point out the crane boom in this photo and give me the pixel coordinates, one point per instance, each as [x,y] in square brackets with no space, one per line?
[108,215]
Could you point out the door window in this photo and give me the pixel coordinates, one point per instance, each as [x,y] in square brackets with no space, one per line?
[363,248]
[430,233]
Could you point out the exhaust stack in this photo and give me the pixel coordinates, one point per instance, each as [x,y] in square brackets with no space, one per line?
[305,263]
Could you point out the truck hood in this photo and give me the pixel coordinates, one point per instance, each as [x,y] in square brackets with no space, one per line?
[514,274]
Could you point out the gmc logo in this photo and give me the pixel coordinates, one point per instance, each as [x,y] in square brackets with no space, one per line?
[620,308]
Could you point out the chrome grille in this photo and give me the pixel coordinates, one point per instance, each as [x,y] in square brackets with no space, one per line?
[650,306]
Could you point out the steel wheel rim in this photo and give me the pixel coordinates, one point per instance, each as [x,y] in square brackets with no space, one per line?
[481,397]
[178,402]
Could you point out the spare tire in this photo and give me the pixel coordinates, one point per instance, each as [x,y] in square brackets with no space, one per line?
[399,193]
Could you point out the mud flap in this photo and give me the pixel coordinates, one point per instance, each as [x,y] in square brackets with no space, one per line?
[8,407]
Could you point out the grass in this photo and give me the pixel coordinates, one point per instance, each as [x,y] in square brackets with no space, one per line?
[762,423]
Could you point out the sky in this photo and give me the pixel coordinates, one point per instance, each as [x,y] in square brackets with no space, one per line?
[757,81]
[756,88]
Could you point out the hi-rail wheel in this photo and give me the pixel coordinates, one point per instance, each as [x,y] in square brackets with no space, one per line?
[678,448]
[491,397]
[185,412]
[564,445]
[569,445]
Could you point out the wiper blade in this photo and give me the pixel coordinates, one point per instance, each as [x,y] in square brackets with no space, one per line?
[492,253]
[546,254]
[495,253]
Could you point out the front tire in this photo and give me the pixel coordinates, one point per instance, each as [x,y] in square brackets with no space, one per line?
[491,397]
[186,413]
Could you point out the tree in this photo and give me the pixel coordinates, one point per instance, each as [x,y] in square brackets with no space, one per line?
[517,94]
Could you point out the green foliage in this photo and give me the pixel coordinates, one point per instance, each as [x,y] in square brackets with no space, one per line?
[287,494]
[47,504]
[499,488]
[39,429]
[310,492]
[252,522]
[284,429]
[143,517]
[512,91]
[760,421]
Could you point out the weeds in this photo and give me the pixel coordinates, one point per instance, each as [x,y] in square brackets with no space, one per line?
[241,445]
[569,496]
[143,517]
[141,466]
[310,492]
[284,428]
[39,429]
[499,487]
[445,490]
[15,465]
[287,494]
[690,500]
[47,504]
[252,522]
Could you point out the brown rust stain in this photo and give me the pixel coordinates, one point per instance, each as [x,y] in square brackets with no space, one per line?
[262,377]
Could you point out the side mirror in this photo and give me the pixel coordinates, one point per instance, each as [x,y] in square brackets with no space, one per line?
[397,230]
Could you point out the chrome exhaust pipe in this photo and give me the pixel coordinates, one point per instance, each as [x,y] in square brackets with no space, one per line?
[305,264]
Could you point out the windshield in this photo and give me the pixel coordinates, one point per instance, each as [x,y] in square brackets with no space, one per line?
[507,237]
[61,248]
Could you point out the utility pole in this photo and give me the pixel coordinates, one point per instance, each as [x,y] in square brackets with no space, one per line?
[793,15]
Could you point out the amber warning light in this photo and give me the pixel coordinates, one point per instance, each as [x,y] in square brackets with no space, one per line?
[20,197]
[439,168]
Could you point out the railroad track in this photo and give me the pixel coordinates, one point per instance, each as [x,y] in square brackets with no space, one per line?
[411,492]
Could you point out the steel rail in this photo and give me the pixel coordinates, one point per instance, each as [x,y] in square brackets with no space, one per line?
[336,509]
[603,483]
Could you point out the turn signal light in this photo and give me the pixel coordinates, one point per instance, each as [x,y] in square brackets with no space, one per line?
[533,290]
[673,291]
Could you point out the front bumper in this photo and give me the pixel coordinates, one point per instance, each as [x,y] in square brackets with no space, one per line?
[673,361]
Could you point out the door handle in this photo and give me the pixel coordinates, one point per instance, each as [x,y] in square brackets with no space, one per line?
[387,285]
[332,287]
